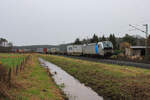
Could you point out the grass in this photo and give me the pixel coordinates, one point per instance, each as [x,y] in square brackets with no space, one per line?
[34,84]
[111,81]
[11,60]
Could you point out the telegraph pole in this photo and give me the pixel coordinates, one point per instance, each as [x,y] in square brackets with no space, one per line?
[146,51]
[146,32]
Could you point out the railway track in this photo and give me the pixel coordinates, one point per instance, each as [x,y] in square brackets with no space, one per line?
[109,61]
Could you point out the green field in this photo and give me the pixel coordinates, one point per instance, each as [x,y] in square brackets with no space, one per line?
[11,60]
[32,83]
[111,81]
[36,83]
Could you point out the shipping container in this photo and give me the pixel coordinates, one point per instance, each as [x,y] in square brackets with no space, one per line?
[54,50]
[90,49]
[41,50]
[27,50]
[45,50]
[75,49]
[63,49]
[17,50]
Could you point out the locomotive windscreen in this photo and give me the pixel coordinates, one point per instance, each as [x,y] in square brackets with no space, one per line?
[107,45]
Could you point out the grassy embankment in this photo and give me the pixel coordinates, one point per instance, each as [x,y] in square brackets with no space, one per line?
[9,66]
[111,81]
[32,83]
[11,60]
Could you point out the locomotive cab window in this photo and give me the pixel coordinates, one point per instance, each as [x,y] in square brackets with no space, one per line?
[70,48]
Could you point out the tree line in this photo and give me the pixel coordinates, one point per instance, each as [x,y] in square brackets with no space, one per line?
[127,39]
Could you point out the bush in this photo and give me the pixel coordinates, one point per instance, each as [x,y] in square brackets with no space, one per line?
[116,52]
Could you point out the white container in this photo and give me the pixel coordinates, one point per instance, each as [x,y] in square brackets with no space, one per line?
[93,49]
[90,49]
[74,49]
[54,50]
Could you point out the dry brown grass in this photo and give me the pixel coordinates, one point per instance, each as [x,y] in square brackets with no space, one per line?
[4,86]
[34,84]
[7,83]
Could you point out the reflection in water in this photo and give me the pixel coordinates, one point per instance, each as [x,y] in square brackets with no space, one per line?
[71,87]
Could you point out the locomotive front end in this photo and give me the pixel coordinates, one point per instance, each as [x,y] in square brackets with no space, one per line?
[108,48]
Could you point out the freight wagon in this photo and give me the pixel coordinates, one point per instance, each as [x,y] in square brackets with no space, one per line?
[18,50]
[90,49]
[41,50]
[54,50]
[62,49]
[45,50]
[27,50]
[75,49]
[101,48]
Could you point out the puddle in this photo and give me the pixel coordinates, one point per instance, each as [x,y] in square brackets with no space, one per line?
[71,86]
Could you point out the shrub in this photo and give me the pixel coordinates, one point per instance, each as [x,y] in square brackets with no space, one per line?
[116,52]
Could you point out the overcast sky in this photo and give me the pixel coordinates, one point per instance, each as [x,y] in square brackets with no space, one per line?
[31,22]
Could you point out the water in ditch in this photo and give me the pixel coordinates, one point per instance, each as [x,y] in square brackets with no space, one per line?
[70,86]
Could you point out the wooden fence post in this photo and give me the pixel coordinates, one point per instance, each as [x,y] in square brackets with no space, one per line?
[21,67]
[17,70]
[9,77]
[13,70]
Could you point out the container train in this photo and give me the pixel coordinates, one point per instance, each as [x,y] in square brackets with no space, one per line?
[104,48]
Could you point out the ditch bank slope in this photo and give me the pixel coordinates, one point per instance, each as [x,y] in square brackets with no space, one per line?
[111,81]
[32,83]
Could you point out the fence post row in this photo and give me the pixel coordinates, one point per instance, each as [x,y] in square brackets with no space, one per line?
[21,66]
[17,70]
[9,77]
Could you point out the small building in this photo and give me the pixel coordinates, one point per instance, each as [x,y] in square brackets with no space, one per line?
[136,51]
[5,44]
